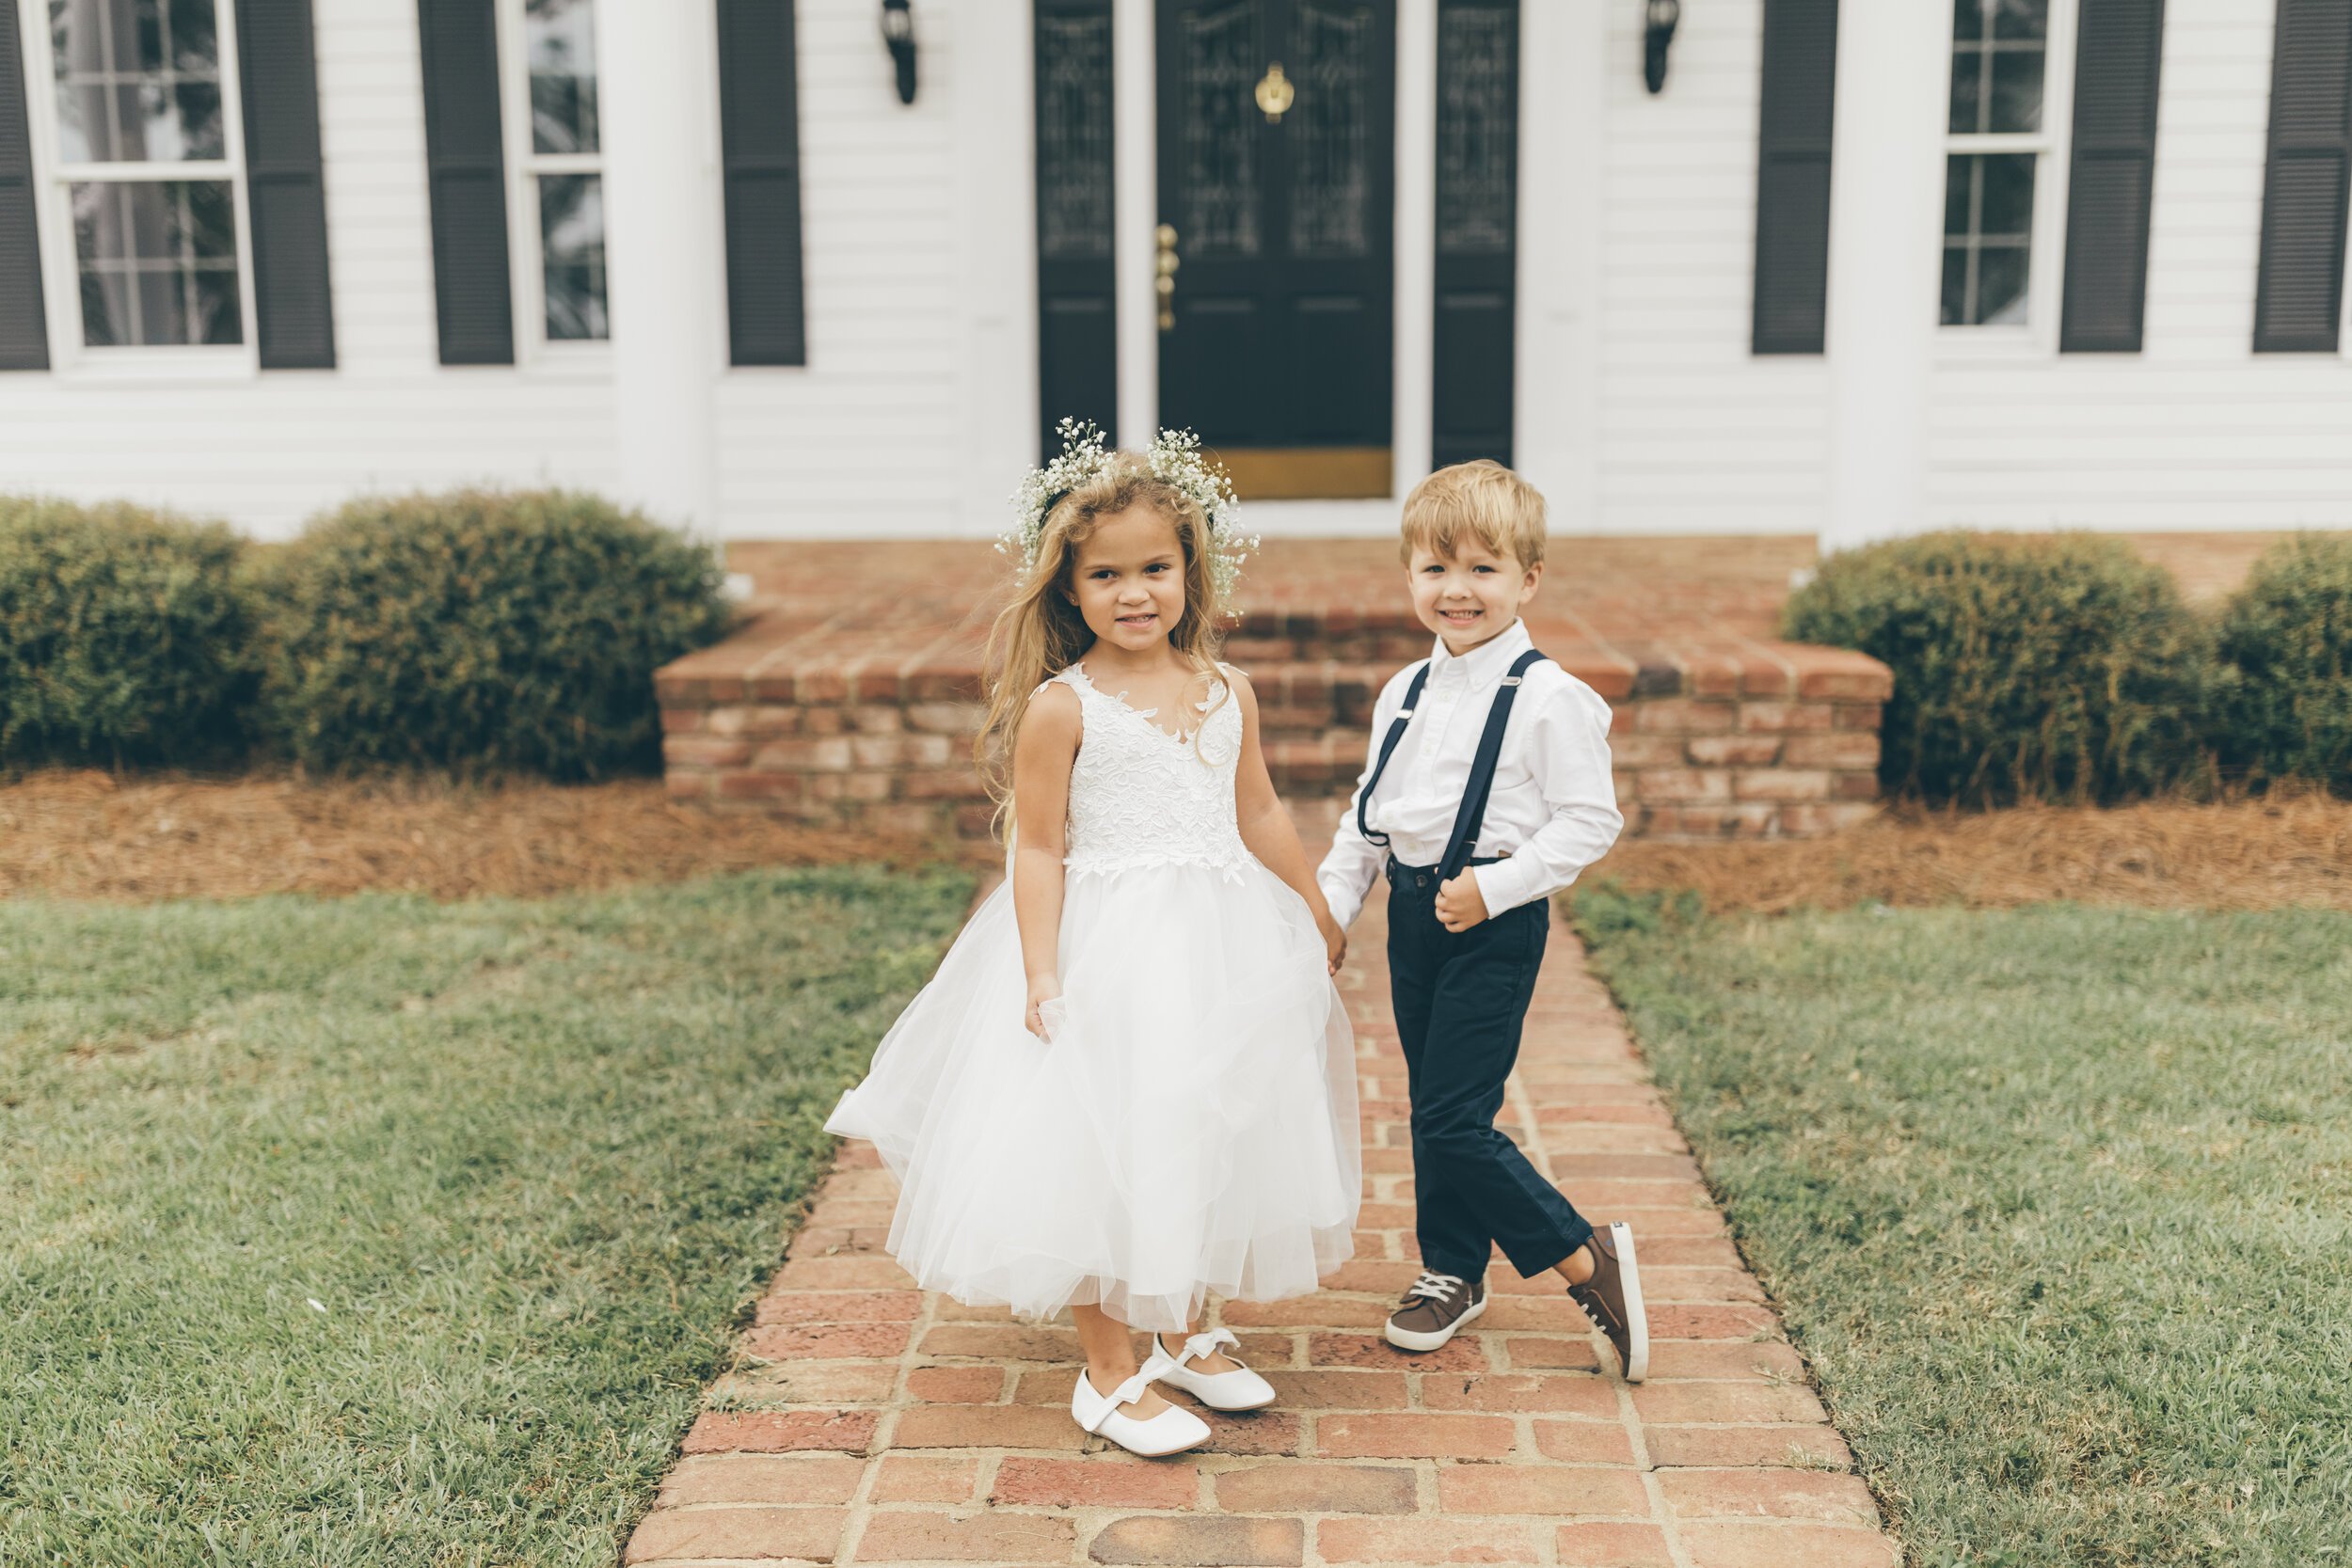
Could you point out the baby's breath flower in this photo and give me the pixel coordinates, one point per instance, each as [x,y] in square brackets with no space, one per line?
[1174,457]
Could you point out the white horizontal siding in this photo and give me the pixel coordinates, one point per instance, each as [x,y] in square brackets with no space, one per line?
[915,406]
[1695,433]
[2197,431]
[266,451]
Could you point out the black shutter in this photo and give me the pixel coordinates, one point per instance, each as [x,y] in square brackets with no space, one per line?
[24,323]
[2118,50]
[2299,304]
[759,127]
[1792,174]
[1077,323]
[465,160]
[284,186]
[1477,263]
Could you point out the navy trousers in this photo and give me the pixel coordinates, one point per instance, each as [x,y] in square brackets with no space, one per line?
[1461,1004]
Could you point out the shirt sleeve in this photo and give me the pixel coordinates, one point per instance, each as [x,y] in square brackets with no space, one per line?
[1568,754]
[1348,871]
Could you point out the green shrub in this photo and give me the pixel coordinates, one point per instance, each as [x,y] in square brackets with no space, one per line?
[2055,668]
[123,636]
[2286,652]
[481,632]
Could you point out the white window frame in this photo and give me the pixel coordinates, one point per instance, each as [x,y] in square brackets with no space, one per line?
[53,182]
[524,166]
[2053,147]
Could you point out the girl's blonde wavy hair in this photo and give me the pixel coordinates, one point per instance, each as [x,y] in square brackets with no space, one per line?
[1041,633]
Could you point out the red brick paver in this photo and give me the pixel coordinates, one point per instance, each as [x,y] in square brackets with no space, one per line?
[881,1425]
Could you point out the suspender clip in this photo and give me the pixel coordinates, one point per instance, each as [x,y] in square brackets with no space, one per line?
[1510,680]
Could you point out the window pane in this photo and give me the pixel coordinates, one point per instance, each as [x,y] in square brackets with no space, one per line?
[2016,97]
[139,81]
[2001,285]
[1960,196]
[158,261]
[561,41]
[1988,228]
[2007,206]
[2019,19]
[1955,312]
[1967,89]
[571,247]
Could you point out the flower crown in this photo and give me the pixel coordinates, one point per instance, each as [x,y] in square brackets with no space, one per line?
[1175,458]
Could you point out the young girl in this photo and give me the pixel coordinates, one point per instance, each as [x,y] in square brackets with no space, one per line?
[1132,1082]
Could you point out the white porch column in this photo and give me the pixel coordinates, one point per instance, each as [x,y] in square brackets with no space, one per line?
[660,88]
[1886,196]
[1135,216]
[1414,357]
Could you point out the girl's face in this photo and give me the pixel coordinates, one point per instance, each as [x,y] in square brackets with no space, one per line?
[1128,579]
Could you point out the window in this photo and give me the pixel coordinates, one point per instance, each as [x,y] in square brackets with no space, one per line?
[1998,162]
[556,145]
[146,171]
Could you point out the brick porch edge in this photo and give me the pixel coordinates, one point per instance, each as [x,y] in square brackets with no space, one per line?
[1714,736]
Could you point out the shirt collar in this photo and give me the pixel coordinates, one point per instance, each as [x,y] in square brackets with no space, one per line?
[1487,663]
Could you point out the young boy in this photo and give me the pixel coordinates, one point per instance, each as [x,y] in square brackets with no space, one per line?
[1487,789]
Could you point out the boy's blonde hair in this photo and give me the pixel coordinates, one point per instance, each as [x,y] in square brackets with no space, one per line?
[1482,500]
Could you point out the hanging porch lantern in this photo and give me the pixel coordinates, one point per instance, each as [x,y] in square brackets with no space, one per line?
[898,30]
[1658,31]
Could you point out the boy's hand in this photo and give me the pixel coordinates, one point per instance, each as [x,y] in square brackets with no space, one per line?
[1334,939]
[1460,905]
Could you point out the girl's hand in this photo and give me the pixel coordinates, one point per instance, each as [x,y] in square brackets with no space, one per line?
[1334,939]
[1044,991]
[1460,905]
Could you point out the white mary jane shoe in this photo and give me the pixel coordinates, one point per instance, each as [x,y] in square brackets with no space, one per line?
[1173,1430]
[1239,1389]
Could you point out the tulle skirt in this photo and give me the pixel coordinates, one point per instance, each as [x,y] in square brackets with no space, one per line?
[1189,1126]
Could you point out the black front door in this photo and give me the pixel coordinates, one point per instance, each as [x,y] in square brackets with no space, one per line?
[1277,142]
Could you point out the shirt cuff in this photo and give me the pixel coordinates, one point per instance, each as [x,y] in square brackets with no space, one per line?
[1502,886]
[1346,904]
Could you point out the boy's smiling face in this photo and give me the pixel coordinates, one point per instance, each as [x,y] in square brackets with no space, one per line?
[1472,595]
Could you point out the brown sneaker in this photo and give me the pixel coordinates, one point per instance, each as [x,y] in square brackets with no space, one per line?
[1613,1298]
[1436,1306]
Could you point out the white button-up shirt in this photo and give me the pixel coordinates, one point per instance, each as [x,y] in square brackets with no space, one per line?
[1554,807]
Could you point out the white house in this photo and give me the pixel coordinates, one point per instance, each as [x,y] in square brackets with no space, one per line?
[1855,269]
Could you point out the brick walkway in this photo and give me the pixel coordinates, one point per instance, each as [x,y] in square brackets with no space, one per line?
[882,1425]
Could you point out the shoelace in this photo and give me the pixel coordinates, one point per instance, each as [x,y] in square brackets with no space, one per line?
[1437,1287]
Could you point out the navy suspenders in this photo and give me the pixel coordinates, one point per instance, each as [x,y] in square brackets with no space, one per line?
[1387,747]
[1471,818]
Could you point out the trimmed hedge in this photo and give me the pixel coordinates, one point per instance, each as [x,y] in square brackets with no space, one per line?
[481,632]
[2058,667]
[123,636]
[2286,652]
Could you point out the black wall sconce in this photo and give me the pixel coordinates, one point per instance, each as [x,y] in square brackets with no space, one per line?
[1658,31]
[897,29]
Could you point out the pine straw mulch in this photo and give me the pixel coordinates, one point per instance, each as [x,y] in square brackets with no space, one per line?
[2236,855]
[90,835]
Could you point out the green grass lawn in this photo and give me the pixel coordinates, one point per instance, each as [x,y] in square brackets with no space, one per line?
[383,1231]
[2059,1202]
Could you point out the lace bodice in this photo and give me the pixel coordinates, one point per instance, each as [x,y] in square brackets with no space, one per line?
[1142,795]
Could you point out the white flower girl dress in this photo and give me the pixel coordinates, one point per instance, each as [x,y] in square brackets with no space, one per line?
[1189,1125]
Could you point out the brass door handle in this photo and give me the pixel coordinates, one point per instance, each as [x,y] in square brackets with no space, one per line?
[1163,275]
[1275,93]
